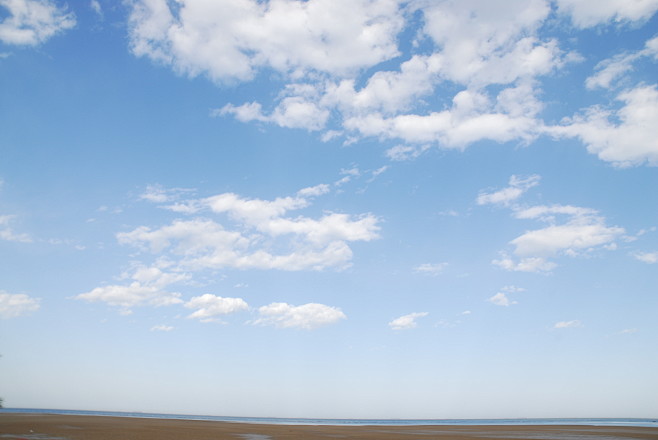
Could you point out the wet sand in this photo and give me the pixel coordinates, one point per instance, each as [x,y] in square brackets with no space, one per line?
[65,427]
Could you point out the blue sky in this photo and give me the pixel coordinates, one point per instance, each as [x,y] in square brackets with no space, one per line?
[372,208]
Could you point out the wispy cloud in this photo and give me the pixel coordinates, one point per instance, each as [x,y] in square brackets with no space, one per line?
[647,257]
[568,324]
[431,268]
[162,328]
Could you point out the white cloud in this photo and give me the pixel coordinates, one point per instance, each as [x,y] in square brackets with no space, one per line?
[490,43]
[147,288]
[579,235]
[291,112]
[264,236]
[8,234]
[530,264]
[647,257]
[633,141]
[232,40]
[307,316]
[588,13]
[473,117]
[162,328]
[610,70]
[406,322]
[431,268]
[321,49]
[568,324]
[132,295]
[15,305]
[517,187]
[572,230]
[209,307]
[501,299]
[32,22]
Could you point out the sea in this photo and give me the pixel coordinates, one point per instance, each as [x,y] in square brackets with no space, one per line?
[653,423]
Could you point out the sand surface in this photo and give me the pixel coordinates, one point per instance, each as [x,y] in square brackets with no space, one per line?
[65,427]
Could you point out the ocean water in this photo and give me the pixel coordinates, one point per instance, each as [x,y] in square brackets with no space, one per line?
[653,423]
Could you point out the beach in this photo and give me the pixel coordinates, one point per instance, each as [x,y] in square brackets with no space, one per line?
[20,426]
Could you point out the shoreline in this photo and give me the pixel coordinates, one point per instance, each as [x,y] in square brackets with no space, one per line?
[32,426]
[523,421]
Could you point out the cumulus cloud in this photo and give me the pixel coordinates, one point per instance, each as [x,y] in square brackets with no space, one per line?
[128,296]
[32,22]
[568,324]
[572,230]
[630,142]
[501,299]
[583,232]
[146,288]
[473,117]
[406,322]
[209,307]
[233,40]
[308,316]
[15,305]
[476,78]
[263,235]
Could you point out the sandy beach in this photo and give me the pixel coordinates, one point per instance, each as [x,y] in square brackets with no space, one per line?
[66,427]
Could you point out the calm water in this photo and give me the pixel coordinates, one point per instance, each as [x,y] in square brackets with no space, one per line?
[390,422]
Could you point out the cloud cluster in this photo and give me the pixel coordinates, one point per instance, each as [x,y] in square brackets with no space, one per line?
[473,71]
[147,287]
[263,234]
[230,231]
[571,230]
[32,22]
[15,305]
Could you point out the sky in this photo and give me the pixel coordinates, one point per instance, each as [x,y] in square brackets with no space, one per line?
[330,208]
